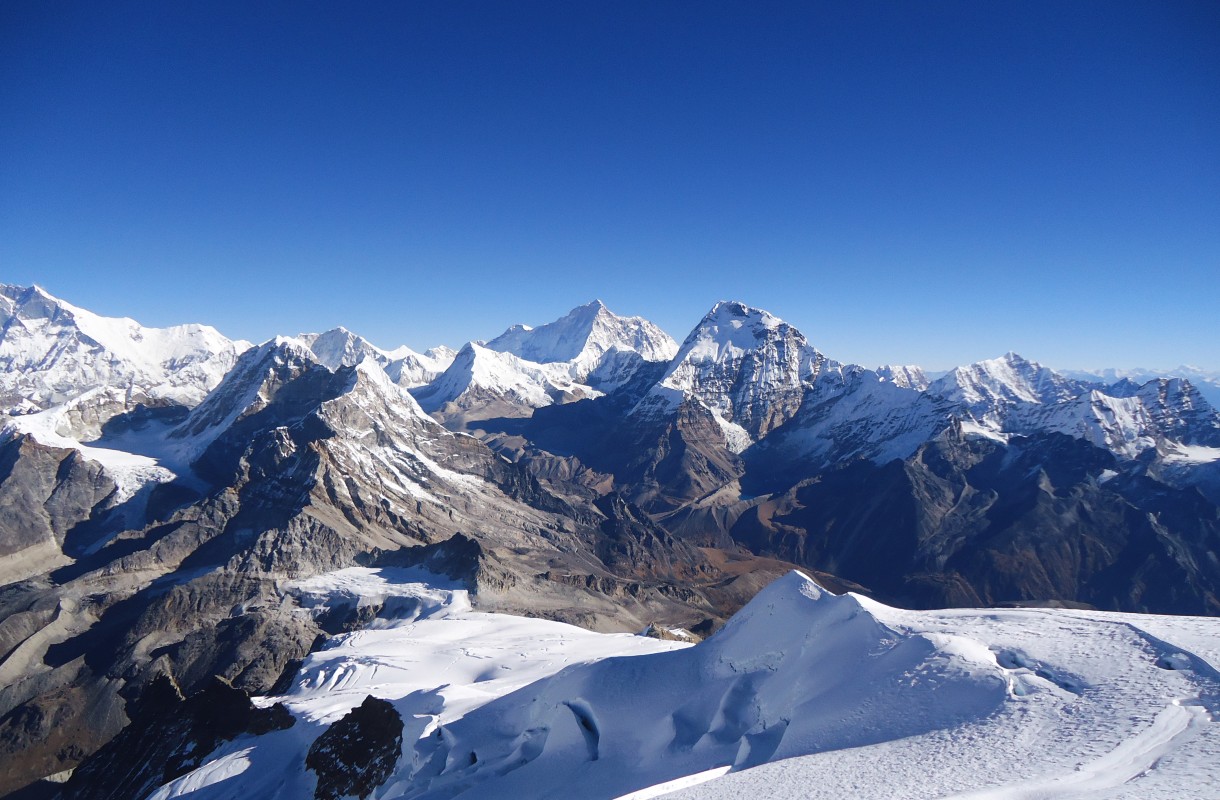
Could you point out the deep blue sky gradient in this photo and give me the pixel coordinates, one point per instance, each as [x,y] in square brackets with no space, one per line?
[907,182]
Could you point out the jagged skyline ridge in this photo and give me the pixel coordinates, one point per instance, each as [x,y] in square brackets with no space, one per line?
[411,365]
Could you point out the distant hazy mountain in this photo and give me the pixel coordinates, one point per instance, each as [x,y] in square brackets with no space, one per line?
[1207,382]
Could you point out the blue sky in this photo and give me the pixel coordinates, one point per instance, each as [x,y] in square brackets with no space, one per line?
[906,182]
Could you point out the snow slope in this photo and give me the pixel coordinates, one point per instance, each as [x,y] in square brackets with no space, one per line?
[585,339]
[480,376]
[434,658]
[52,351]
[340,347]
[802,694]
[1208,382]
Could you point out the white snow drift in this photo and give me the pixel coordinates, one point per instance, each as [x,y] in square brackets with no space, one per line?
[802,694]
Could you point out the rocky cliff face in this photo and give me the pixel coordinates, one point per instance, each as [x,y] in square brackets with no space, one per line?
[924,492]
[751,368]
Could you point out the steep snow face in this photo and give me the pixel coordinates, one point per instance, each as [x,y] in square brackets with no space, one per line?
[1126,419]
[1134,421]
[410,369]
[858,413]
[341,348]
[52,352]
[1121,425]
[584,339]
[748,366]
[989,388]
[1180,410]
[480,375]
[407,368]
[906,377]
[1013,395]
[248,388]
[803,693]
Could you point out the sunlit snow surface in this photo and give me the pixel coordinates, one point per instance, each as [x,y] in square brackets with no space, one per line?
[803,694]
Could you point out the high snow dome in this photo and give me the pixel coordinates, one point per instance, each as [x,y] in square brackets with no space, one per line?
[802,694]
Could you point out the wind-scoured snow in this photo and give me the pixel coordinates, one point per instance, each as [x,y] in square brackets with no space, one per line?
[802,694]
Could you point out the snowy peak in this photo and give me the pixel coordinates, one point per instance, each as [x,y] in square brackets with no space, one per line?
[282,383]
[52,351]
[747,365]
[341,348]
[1179,412]
[1013,395]
[904,376]
[482,377]
[250,386]
[583,338]
[410,369]
[987,387]
[1207,382]
[732,330]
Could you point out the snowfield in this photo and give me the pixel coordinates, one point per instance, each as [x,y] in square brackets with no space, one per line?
[802,694]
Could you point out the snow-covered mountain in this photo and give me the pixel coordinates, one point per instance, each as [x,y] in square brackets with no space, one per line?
[411,369]
[750,368]
[906,376]
[340,347]
[854,413]
[480,379]
[584,354]
[1131,420]
[174,506]
[989,389]
[591,340]
[1206,381]
[52,352]
[803,693]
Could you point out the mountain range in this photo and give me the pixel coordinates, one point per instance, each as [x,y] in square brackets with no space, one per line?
[165,494]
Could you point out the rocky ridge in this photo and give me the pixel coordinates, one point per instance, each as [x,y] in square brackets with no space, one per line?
[589,471]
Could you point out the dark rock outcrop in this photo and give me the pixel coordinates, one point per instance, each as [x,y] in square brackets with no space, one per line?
[358,753]
[169,736]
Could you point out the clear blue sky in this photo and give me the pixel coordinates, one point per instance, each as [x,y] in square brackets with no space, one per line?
[905,181]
